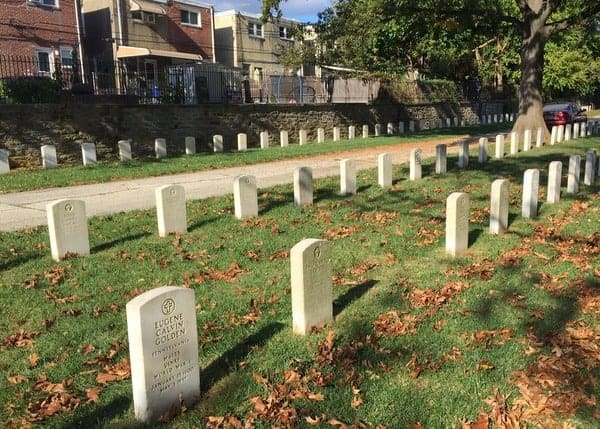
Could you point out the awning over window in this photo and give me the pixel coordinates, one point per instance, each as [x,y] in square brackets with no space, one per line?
[132,51]
[146,6]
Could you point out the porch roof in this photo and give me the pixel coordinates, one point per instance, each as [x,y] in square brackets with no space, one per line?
[146,6]
[132,51]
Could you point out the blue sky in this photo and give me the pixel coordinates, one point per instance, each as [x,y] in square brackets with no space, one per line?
[302,10]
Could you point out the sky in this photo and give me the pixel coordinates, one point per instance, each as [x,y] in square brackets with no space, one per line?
[302,10]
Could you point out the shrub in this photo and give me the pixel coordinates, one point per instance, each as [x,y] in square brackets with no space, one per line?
[31,89]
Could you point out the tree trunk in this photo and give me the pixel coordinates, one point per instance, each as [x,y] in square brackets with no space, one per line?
[532,66]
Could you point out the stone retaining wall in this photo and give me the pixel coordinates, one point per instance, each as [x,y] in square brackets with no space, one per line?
[24,128]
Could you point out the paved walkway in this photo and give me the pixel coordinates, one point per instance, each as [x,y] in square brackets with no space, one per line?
[28,209]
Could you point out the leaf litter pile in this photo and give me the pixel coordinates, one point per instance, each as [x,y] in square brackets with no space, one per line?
[506,337]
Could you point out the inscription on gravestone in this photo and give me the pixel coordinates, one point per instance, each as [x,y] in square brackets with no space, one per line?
[68,229]
[163,348]
[312,304]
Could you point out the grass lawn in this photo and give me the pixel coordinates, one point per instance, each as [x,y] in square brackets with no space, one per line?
[507,333]
[106,171]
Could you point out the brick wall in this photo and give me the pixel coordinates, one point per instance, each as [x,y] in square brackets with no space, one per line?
[24,128]
[187,38]
[24,27]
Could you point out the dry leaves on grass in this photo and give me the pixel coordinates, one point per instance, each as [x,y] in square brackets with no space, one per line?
[59,398]
[428,236]
[393,324]
[20,339]
[340,232]
[229,275]
[429,297]
[483,270]
[490,337]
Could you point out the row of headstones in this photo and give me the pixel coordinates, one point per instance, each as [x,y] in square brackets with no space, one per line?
[89,157]
[457,204]
[162,325]
[67,221]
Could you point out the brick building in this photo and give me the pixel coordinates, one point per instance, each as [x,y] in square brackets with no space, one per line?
[43,34]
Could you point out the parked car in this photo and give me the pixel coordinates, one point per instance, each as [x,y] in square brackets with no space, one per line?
[563,114]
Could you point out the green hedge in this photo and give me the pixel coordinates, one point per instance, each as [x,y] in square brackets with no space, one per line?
[30,89]
[420,91]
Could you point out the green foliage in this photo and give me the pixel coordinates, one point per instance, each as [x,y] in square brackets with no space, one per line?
[421,91]
[31,89]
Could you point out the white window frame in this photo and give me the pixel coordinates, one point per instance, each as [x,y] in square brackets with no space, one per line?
[68,51]
[145,17]
[189,12]
[50,53]
[54,4]
[287,33]
[253,28]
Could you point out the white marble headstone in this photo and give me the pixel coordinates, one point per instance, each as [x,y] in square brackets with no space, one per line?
[539,137]
[312,296]
[377,130]
[574,174]
[347,177]
[400,127]
[49,159]
[68,228]
[415,171]
[499,207]
[514,143]
[284,139]
[160,148]
[217,143]
[4,165]
[163,349]
[499,146]
[575,130]
[441,159]
[264,139]
[384,170]
[365,131]
[457,223]
[88,153]
[390,129]
[568,131]
[190,145]
[526,140]
[554,135]
[303,186]
[320,135]
[171,210]
[351,132]
[554,179]
[302,137]
[560,134]
[245,197]
[242,141]
[411,126]
[336,134]
[590,167]
[482,154]
[531,185]
[125,150]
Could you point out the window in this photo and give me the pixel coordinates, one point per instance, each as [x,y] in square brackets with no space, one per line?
[46,3]
[255,29]
[140,15]
[44,61]
[190,18]
[286,33]
[66,57]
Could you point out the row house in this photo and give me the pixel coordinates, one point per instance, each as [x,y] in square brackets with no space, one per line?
[145,36]
[42,37]
[140,47]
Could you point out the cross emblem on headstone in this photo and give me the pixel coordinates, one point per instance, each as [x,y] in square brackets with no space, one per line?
[168,306]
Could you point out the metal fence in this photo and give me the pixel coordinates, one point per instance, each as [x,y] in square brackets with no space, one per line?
[192,83]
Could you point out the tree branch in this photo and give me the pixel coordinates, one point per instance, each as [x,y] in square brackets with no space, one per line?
[587,15]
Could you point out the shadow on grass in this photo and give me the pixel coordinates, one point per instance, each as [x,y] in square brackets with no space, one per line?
[21,259]
[102,414]
[200,223]
[474,235]
[110,244]
[228,362]
[351,295]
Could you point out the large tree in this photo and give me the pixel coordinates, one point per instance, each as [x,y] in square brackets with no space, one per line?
[386,34]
